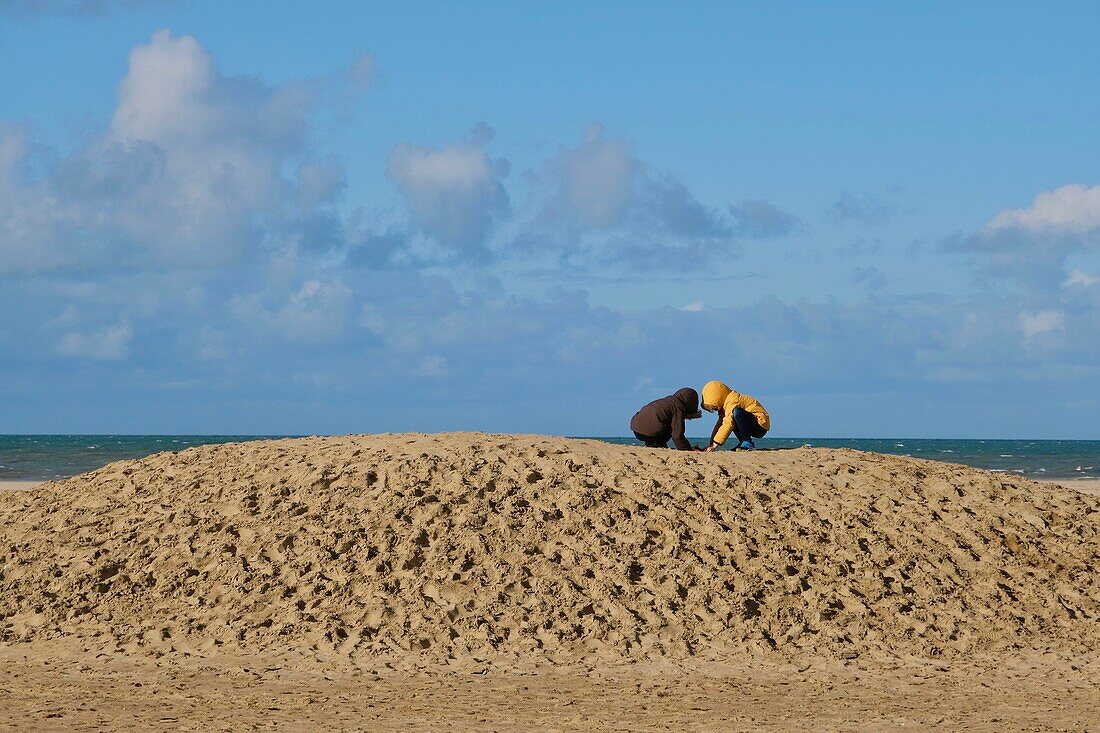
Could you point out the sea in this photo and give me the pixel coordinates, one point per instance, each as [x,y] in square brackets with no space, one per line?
[48,457]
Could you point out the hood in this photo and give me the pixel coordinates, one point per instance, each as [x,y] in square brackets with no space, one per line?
[689,398]
[715,394]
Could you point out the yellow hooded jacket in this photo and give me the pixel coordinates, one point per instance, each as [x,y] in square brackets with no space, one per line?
[717,394]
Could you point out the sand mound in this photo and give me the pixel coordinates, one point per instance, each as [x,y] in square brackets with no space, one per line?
[472,546]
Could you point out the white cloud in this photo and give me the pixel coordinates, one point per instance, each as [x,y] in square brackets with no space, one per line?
[1031,245]
[190,172]
[1079,277]
[1072,209]
[316,312]
[602,185]
[409,326]
[166,93]
[760,219]
[597,179]
[1033,324]
[696,307]
[871,278]
[319,182]
[110,344]
[433,366]
[362,71]
[68,317]
[865,208]
[212,344]
[371,318]
[31,217]
[599,201]
[13,145]
[221,142]
[454,193]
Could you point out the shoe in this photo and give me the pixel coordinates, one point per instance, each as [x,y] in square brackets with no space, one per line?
[746,445]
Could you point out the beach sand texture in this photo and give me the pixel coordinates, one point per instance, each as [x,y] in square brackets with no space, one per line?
[1087,486]
[481,560]
[18,485]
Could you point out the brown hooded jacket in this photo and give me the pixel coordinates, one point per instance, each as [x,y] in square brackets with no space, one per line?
[665,417]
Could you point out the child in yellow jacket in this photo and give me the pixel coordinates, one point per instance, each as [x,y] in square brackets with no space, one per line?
[737,413]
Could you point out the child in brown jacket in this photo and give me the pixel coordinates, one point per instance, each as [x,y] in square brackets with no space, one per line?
[662,419]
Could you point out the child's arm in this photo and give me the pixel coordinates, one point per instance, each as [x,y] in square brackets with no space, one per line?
[724,428]
[716,438]
[678,430]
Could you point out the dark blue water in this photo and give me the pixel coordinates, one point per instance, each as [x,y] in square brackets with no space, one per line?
[1056,459]
[42,457]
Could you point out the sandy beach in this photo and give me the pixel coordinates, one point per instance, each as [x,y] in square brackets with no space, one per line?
[18,485]
[1087,486]
[68,691]
[480,582]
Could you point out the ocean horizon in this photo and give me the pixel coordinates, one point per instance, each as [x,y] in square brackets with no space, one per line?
[52,457]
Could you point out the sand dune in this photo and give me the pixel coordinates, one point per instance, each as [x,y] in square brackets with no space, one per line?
[483,550]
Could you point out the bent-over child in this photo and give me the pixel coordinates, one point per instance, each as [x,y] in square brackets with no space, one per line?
[662,419]
[738,413]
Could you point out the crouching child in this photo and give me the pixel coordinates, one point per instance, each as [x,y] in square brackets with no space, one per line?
[663,419]
[738,413]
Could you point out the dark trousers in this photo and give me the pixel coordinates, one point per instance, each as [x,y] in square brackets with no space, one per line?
[746,426]
[654,441]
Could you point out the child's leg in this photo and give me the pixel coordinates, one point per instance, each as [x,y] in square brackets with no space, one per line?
[744,424]
[652,441]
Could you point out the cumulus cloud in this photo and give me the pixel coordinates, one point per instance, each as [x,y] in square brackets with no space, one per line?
[454,194]
[1079,277]
[1033,324]
[192,171]
[368,247]
[758,219]
[316,311]
[599,202]
[111,343]
[666,206]
[221,142]
[597,180]
[24,231]
[197,168]
[319,182]
[862,247]
[871,278]
[865,208]
[601,185]
[931,345]
[13,146]
[1072,209]
[361,73]
[1031,245]
[433,366]
[375,337]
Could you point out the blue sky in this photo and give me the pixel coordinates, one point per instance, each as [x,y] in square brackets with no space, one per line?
[878,219]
